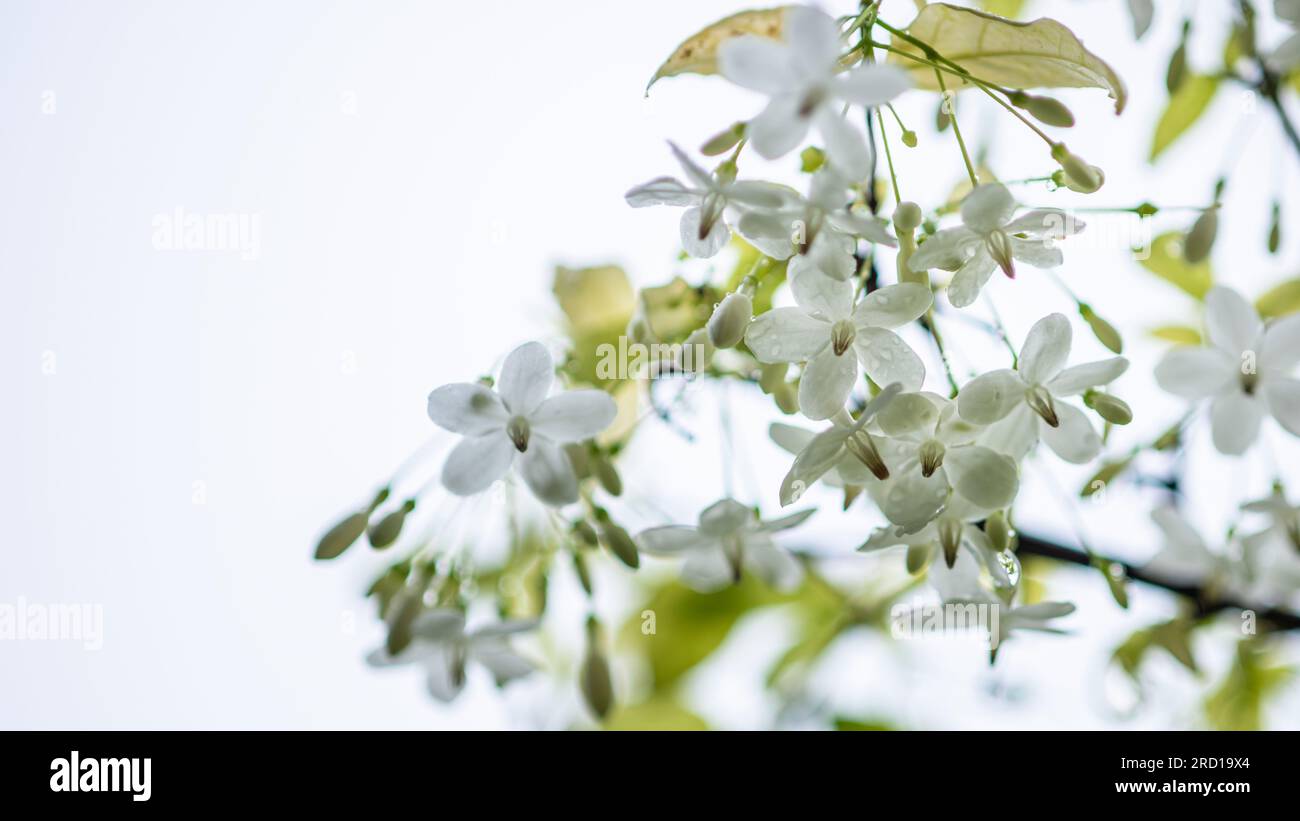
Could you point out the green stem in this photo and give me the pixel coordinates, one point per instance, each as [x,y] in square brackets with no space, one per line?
[889,157]
[956,129]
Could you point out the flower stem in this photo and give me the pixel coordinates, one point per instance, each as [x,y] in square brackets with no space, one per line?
[956,129]
[889,157]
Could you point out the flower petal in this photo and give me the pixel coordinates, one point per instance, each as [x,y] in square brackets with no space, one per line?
[526,378]
[813,39]
[779,127]
[724,517]
[826,383]
[787,335]
[477,462]
[789,438]
[786,522]
[1283,398]
[888,359]
[467,408]
[672,539]
[1074,439]
[1045,222]
[1046,349]
[547,471]
[574,415]
[661,191]
[1234,420]
[757,63]
[1040,253]
[1015,435]
[1079,378]
[893,306]
[948,249]
[707,570]
[970,278]
[987,479]
[446,674]
[1232,323]
[1280,349]
[1195,373]
[991,396]
[910,499]
[697,175]
[777,568]
[817,293]
[872,84]
[708,245]
[987,208]
[846,148]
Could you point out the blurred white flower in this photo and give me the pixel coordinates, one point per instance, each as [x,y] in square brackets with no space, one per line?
[989,238]
[1246,369]
[1009,400]
[1287,55]
[518,418]
[441,645]
[834,337]
[729,540]
[704,230]
[939,545]
[800,77]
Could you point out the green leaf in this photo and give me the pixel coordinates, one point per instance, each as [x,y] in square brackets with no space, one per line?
[862,725]
[698,54]
[657,713]
[1165,260]
[1004,8]
[1039,54]
[1238,703]
[1280,300]
[1177,334]
[1185,107]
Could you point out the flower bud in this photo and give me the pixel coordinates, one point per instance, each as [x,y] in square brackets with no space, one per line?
[607,475]
[909,138]
[723,141]
[942,119]
[771,377]
[918,556]
[696,352]
[730,319]
[1111,408]
[341,536]
[1085,178]
[998,529]
[908,217]
[1177,70]
[1275,229]
[585,532]
[387,529]
[1200,239]
[1046,110]
[1104,331]
[584,574]
[616,540]
[811,159]
[596,682]
[787,398]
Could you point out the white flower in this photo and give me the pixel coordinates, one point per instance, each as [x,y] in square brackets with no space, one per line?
[730,539]
[1035,617]
[819,233]
[1246,369]
[1024,402]
[1287,56]
[440,644]
[989,238]
[799,76]
[931,454]
[845,453]
[834,337]
[704,232]
[518,418]
[1272,555]
[1283,521]
[949,535]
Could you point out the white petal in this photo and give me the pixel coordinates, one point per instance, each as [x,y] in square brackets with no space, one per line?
[846,148]
[991,396]
[548,472]
[1283,397]
[504,664]
[467,408]
[1046,349]
[779,128]
[672,539]
[446,674]
[661,191]
[1074,439]
[1040,253]
[1234,420]
[787,335]
[1045,222]
[961,582]
[477,462]
[1232,323]
[777,568]
[872,229]
[820,455]
[788,437]
[948,249]
[757,194]
[444,624]
[813,39]
[698,176]
[971,278]
[708,245]
[984,477]
[1280,350]
[826,383]
[526,377]
[724,517]
[910,499]
[1195,373]
[757,63]
[888,359]
[1286,56]
[1013,436]
[707,570]
[823,260]
[910,413]
[786,522]
[1079,378]
[817,293]
[574,415]
[893,305]
[987,208]
[872,84]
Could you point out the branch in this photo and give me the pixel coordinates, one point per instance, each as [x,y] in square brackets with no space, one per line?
[1206,602]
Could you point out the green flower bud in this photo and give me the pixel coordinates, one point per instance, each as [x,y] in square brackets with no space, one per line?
[1046,110]
[909,138]
[594,677]
[811,159]
[584,574]
[723,141]
[942,119]
[787,398]
[696,352]
[1275,229]
[341,536]
[387,529]
[1080,176]
[772,377]
[908,217]
[616,541]
[998,529]
[607,475]
[730,319]
[586,533]
[1176,73]
[918,557]
[1200,239]
[1111,408]
[1103,330]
